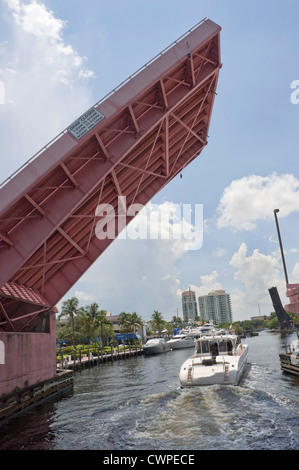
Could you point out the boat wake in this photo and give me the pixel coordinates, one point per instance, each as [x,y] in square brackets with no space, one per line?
[215,417]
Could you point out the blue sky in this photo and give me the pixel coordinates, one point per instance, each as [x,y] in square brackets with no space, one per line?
[58,57]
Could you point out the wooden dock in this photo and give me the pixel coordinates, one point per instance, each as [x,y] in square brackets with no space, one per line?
[87,361]
[20,399]
[289,360]
[288,364]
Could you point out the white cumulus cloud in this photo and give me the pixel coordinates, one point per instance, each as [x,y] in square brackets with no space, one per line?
[83,296]
[38,25]
[253,198]
[45,79]
[208,282]
[256,273]
[295,272]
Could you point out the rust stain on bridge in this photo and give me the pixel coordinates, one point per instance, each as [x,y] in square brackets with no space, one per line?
[130,144]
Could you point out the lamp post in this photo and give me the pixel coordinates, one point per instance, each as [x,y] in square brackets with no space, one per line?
[281,249]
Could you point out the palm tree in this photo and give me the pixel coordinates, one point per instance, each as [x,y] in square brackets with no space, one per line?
[157,321]
[92,315]
[177,321]
[136,321]
[130,321]
[125,322]
[103,320]
[94,319]
[69,310]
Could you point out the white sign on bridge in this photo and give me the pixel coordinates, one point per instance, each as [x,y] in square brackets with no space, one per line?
[85,123]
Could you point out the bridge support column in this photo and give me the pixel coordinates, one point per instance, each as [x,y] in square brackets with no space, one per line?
[293,295]
[27,358]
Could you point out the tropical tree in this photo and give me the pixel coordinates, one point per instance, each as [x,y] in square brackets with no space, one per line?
[136,321]
[169,327]
[130,321]
[272,321]
[238,328]
[177,321]
[157,321]
[104,323]
[70,310]
[96,321]
[125,322]
[93,319]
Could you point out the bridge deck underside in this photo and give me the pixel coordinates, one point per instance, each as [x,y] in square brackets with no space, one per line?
[153,127]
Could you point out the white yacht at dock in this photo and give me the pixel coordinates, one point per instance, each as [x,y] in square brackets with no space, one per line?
[187,336]
[156,346]
[180,341]
[217,359]
[198,331]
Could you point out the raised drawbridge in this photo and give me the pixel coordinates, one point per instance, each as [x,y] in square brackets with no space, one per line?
[129,144]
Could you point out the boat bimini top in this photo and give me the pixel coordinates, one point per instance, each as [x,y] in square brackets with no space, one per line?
[215,345]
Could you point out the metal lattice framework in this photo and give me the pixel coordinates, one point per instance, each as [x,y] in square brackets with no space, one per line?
[136,140]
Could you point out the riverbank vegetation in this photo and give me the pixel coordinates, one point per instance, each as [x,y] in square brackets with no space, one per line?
[269,322]
[83,324]
[91,325]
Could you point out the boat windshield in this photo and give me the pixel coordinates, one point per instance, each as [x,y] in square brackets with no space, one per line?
[202,347]
[214,346]
[225,346]
[154,340]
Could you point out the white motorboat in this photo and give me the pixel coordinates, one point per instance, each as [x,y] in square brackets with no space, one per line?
[156,346]
[181,341]
[218,359]
[197,332]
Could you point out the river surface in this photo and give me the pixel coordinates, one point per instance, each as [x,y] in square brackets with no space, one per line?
[138,404]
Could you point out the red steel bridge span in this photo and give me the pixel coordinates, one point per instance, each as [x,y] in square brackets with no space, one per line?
[131,144]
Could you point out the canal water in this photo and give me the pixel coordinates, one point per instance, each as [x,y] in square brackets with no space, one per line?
[137,404]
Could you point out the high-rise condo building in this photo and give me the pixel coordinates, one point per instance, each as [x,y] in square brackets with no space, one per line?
[215,306]
[189,305]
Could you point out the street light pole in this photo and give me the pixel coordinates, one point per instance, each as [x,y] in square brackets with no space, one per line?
[281,249]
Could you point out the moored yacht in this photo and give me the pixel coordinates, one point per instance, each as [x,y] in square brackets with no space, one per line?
[217,359]
[181,341]
[156,346]
[205,329]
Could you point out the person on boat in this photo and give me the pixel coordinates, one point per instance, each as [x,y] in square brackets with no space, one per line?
[214,349]
[229,346]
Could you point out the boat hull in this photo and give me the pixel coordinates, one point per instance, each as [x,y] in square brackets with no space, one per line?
[220,370]
[156,349]
[181,346]
[181,343]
